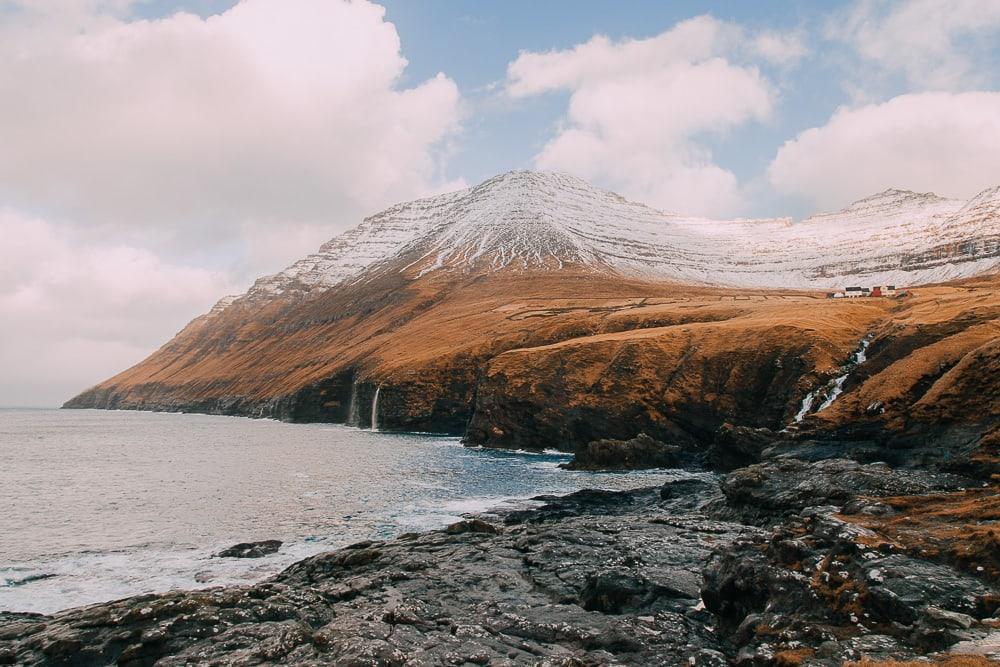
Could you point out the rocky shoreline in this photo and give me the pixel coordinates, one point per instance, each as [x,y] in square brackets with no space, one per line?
[785,561]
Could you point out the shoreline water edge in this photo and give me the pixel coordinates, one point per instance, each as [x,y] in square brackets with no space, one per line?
[785,561]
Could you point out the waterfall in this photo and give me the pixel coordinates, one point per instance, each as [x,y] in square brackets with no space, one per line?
[375,408]
[807,404]
[353,411]
[835,387]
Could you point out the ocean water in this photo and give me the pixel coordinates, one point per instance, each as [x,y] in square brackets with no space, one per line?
[98,505]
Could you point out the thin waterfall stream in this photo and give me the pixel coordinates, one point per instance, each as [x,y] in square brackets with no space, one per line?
[353,410]
[830,391]
[375,408]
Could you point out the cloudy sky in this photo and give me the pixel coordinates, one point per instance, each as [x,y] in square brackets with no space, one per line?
[156,155]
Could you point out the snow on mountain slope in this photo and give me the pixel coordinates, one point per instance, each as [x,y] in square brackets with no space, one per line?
[377,238]
[544,221]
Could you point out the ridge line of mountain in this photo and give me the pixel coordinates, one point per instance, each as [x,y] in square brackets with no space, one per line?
[526,220]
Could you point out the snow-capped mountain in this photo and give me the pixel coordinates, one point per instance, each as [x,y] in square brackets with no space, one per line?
[544,221]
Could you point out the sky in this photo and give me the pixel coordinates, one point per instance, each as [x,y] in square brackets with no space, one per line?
[156,155]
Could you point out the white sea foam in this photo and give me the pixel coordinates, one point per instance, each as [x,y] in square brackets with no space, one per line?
[102,505]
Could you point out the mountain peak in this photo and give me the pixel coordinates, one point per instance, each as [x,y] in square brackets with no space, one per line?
[987,195]
[894,197]
[545,221]
[529,178]
[525,187]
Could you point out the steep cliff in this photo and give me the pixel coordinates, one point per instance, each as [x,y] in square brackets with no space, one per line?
[928,385]
[534,310]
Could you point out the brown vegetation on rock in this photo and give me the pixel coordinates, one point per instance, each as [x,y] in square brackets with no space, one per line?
[559,359]
[944,661]
[959,528]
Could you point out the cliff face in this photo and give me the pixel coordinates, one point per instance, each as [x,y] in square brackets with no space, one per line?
[931,373]
[672,382]
[519,361]
[535,311]
[423,344]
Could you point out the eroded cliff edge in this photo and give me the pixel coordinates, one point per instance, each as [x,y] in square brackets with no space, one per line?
[538,362]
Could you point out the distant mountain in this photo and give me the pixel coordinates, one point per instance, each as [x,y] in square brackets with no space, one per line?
[531,221]
[535,310]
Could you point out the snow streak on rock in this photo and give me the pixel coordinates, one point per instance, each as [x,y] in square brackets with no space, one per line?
[544,221]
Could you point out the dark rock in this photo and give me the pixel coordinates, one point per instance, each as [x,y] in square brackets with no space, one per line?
[901,588]
[472,526]
[596,582]
[611,591]
[251,549]
[863,451]
[818,579]
[585,501]
[683,488]
[938,629]
[661,576]
[786,486]
[639,453]
[738,446]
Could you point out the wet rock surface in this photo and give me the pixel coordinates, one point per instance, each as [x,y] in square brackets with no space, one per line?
[786,486]
[680,574]
[251,549]
[639,453]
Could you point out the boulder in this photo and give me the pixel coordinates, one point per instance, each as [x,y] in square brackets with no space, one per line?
[251,549]
[472,526]
[737,446]
[639,453]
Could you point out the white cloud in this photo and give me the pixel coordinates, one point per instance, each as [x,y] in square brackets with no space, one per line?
[143,148]
[931,44]
[780,48]
[76,312]
[268,113]
[639,109]
[948,143]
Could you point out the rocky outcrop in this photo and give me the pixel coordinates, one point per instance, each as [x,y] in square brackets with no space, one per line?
[668,575]
[737,446]
[639,453]
[828,591]
[466,595]
[785,486]
[251,549]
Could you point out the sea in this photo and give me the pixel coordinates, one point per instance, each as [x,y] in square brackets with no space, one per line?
[99,505]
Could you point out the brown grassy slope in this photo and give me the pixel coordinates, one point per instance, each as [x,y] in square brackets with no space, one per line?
[385,329]
[933,361]
[670,381]
[569,347]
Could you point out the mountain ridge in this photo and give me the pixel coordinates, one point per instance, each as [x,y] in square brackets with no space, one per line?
[525,220]
[459,322]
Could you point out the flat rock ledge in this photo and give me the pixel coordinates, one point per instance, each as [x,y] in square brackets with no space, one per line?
[683,574]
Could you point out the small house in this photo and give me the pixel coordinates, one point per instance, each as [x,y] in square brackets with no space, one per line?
[884,290]
[855,292]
